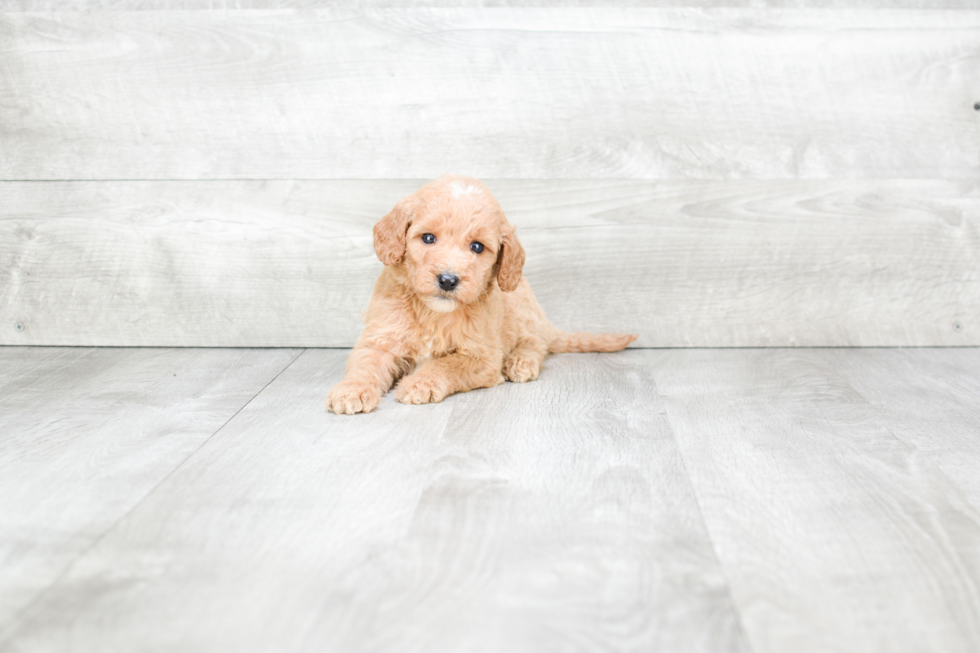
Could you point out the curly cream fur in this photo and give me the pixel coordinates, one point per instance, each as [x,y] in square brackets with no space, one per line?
[487,329]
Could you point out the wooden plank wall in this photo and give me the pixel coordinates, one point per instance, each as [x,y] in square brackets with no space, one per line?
[720,176]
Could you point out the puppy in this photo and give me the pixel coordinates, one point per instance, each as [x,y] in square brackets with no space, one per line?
[450,311]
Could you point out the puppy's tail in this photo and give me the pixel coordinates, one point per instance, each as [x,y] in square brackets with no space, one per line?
[580,341]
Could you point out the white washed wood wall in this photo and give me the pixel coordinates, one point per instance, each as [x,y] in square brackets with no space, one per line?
[717,176]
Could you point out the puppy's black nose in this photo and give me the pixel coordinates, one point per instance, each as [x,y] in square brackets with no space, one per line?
[447,281]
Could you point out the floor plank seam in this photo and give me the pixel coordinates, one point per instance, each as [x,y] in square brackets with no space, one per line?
[6,637]
[748,647]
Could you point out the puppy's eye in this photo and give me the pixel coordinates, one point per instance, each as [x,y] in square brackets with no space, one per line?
[477,247]
[428,239]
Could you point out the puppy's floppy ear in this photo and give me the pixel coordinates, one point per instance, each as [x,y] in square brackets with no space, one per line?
[389,233]
[510,260]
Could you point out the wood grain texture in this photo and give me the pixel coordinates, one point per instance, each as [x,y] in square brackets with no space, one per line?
[928,398]
[232,5]
[684,263]
[551,516]
[838,488]
[85,435]
[835,519]
[614,92]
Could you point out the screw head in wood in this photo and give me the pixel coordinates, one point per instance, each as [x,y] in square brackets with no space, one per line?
[19,327]
[957,326]
[976,106]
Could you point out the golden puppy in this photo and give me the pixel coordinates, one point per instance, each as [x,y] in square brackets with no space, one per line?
[450,310]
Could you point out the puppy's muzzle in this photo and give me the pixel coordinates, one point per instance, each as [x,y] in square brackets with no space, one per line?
[448,282]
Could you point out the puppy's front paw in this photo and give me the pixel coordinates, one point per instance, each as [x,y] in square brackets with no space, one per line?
[349,398]
[418,389]
[520,369]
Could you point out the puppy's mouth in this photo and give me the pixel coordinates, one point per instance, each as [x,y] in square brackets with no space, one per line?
[441,303]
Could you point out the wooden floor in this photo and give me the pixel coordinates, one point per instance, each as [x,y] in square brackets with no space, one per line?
[193,500]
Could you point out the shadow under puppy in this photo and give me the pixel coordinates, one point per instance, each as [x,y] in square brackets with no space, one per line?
[451,311]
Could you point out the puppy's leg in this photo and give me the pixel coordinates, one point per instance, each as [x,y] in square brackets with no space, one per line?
[369,375]
[441,377]
[523,363]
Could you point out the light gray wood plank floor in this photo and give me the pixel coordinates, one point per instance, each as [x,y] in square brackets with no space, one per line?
[86,434]
[651,500]
[830,510]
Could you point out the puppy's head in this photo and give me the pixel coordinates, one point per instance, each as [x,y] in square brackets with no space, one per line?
[453,240]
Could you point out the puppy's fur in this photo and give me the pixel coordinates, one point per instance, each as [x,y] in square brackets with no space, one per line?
[487,329]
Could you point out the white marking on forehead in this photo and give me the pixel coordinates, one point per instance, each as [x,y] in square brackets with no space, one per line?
[458,190]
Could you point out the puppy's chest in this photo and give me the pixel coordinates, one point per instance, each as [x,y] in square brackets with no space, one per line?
[429,346]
